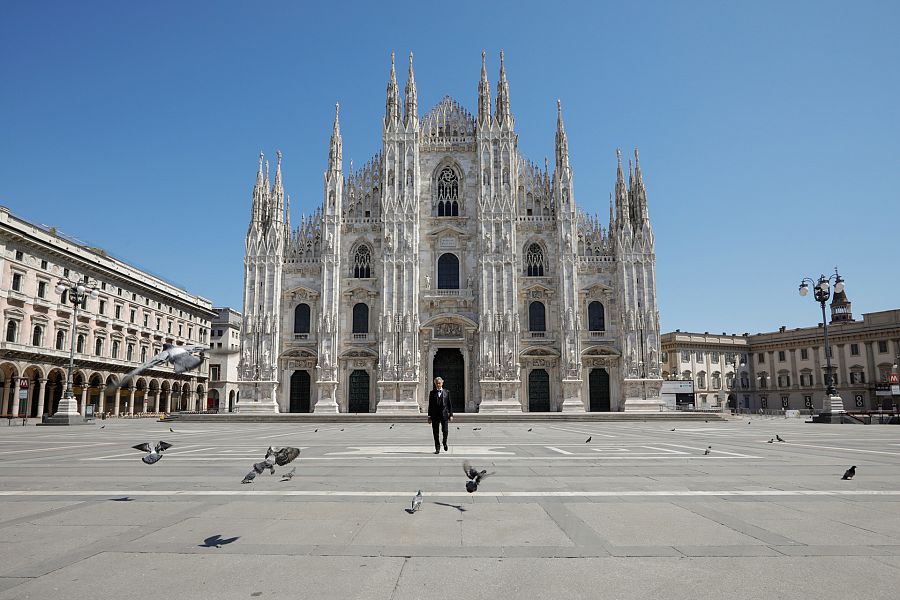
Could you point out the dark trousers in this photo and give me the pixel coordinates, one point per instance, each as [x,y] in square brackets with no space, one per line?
[443,424]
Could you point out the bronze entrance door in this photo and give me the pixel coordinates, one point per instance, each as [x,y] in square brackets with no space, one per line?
[450,365]
[598,389]
[300,384]
[359,392]
[539,391]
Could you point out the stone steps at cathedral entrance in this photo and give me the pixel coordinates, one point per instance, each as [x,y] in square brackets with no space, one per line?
[458,418]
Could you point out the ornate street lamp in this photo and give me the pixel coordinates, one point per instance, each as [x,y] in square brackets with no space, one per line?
[822,292]
[75,293]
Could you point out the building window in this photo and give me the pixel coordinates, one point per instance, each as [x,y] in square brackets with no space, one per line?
[854,349]
[143,354]
[534,261]
[115,349]
[37,336]
[745,380]
[102,307]
[716,380]
[42,289]
[447,193]
[761,358]
[763,381]
[301,318]
[180,329]
[784,380]
[190,333]
[132,316]
[19,255]
[146,320]
[664,356]
[729,358]
[781,356]
[804,354]
[685,356]
[536,317]
[596,316]
[743,358]
[17,282]
[214,372]
[448,272]
[882,346]
[362,263]
[701,380]
[158,324]
[729,380]
[169,327]
[714,357]
[44,264]
[60,340]
[118,311]
[701,356]
[79,343]
[129,352]
[98,347]
[360,318]
[857,377]
[65,272]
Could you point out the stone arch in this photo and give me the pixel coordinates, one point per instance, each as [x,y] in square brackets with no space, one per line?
[165,396]
[186,399]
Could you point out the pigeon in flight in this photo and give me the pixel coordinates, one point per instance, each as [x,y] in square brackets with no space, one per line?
[707,451]
[416,502]
[279,457]
[153,450]
[172,430]
[317,430]
[748,422]
[589,439]
[530,428]
[103,427]
[474,476]
[673,429]
[392,426]
[180,357]
[778,438]
[216,541]
[476,429]
[289,475]
[849,473]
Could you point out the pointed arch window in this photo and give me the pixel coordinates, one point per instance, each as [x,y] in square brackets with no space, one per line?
[360,318]
[362,263]
[534,261]
[301,318]
[37,336]
[448,272]
[447,193]
[537,317]
[596,316]
[60,339]
[12,330]
[79,344]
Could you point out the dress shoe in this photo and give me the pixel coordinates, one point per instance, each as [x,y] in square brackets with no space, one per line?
[445,447]
[437,451]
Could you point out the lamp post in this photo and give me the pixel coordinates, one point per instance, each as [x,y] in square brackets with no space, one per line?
[822,292]
[76,293]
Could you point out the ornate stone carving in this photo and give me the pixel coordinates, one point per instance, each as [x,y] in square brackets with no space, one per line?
[448,330]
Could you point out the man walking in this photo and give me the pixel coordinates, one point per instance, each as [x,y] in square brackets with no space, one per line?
[440,412]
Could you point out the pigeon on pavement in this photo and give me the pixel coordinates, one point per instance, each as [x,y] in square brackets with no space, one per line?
[476,429]
[416,502]
[180,357]
[249,477]
[673,429]
[849,473]
[172,430]
[475,476]
[589,439]
[778,438]
[289,475]
[771,441]
[707,451]
[153,450]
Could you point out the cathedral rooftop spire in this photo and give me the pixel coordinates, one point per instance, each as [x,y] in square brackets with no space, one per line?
[484,93]
[279,186]
[392,105]
[623,211]
[504,115]
[411,102]
[562,141]
[335,153]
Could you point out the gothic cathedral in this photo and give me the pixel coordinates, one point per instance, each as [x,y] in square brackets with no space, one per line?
[449,254]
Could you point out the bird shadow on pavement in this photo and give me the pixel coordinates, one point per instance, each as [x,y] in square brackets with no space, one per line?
[456,506]
[217,541]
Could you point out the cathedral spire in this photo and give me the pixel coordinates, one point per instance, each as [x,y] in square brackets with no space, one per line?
[640,192]
[503,111]
[562,141]
[259,192]
[392,105]
[335,152]
[623,211]
[411,102]
[484,93]
[279,186]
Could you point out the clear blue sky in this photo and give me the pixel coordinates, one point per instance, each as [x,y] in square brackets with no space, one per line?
[769,131]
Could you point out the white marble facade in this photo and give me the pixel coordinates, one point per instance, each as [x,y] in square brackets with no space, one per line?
[449,253]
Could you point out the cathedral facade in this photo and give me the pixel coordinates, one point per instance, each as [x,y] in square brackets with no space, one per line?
[450,254]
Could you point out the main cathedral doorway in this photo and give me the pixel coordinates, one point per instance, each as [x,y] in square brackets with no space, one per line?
[598,390]
[449,365]
[300,392]
[358,399]
[538,391]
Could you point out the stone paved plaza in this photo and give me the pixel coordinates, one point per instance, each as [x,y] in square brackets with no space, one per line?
[638,512]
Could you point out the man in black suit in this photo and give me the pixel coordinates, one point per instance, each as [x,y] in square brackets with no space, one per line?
[440,412]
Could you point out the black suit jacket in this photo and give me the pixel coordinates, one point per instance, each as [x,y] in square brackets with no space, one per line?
[439,408]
